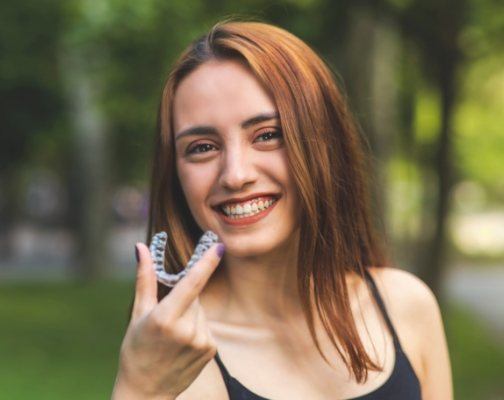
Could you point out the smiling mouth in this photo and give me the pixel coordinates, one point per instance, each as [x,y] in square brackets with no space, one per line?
[247,211]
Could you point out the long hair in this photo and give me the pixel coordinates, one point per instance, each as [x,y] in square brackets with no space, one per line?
[327,159]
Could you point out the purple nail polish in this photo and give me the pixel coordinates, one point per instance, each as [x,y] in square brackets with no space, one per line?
[220,249]
[137,256]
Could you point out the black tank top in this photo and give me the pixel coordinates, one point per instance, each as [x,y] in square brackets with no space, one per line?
[402,383]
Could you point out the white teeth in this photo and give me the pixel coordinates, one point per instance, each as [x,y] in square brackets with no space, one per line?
[247,209]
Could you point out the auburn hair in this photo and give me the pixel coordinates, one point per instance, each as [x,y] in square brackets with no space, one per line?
[326,155]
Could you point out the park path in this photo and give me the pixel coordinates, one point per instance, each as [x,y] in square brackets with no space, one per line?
[481,290]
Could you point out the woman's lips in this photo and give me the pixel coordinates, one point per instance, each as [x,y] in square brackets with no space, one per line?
[246,220]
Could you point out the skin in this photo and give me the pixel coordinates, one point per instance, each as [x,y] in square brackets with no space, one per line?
[172,333]
[258,276]
[248,307]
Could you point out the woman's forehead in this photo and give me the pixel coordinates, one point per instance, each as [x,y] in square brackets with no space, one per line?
[219,93]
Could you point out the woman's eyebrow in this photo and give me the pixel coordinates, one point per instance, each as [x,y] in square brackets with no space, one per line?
[210,130]
[259,118]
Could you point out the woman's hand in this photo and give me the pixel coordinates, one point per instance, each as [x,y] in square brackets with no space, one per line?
[167,344]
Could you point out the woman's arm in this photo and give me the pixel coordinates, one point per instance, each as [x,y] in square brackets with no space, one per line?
[417,319]
[436,379]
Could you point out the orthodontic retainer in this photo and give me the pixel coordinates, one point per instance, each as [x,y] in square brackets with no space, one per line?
[157,249]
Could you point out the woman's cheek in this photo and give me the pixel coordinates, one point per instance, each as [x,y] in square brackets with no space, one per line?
[196,181]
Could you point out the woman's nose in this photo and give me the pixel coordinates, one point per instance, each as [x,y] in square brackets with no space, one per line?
[237,170]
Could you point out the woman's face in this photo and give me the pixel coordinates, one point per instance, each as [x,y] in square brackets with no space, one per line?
[231,159]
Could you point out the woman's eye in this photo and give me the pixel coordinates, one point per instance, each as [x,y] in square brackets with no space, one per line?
[200,148]
[267,136]
[206,147]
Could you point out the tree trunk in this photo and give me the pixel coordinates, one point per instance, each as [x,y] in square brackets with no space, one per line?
[371,68]
[90,170]
[435,265]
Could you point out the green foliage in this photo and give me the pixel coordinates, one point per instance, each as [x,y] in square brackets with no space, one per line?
[134,42]
[30,93]
[478,125]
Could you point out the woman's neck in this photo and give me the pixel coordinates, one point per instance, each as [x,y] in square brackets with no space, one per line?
[255,290]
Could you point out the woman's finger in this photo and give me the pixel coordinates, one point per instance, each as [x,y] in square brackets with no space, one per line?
[146,282]
[187,290]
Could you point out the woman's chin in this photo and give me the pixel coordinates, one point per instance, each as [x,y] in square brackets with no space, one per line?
[239,250]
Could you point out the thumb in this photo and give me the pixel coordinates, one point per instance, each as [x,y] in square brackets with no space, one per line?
[146,283]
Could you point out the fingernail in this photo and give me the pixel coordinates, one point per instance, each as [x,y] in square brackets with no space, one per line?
[137,256]
[220,250]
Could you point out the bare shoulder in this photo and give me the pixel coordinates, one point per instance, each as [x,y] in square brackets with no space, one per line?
[405,293]
[410,303]
[416,316]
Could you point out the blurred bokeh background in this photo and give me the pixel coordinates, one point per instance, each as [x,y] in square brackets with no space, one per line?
[79,90]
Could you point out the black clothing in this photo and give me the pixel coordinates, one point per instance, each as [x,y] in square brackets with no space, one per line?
[402,383]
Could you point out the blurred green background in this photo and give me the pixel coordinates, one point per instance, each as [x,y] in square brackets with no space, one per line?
[80,85]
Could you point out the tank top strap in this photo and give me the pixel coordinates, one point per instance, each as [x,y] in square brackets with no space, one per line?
[381,304]
[223,369]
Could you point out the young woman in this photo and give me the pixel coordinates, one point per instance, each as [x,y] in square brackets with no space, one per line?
[256,144]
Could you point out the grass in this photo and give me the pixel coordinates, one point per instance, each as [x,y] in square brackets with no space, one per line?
[477,360]
[61,341]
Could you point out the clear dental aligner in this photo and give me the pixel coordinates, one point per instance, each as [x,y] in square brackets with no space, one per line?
[157,250]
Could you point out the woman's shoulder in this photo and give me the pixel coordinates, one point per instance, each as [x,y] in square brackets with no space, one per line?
[416,317]
[405,295]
